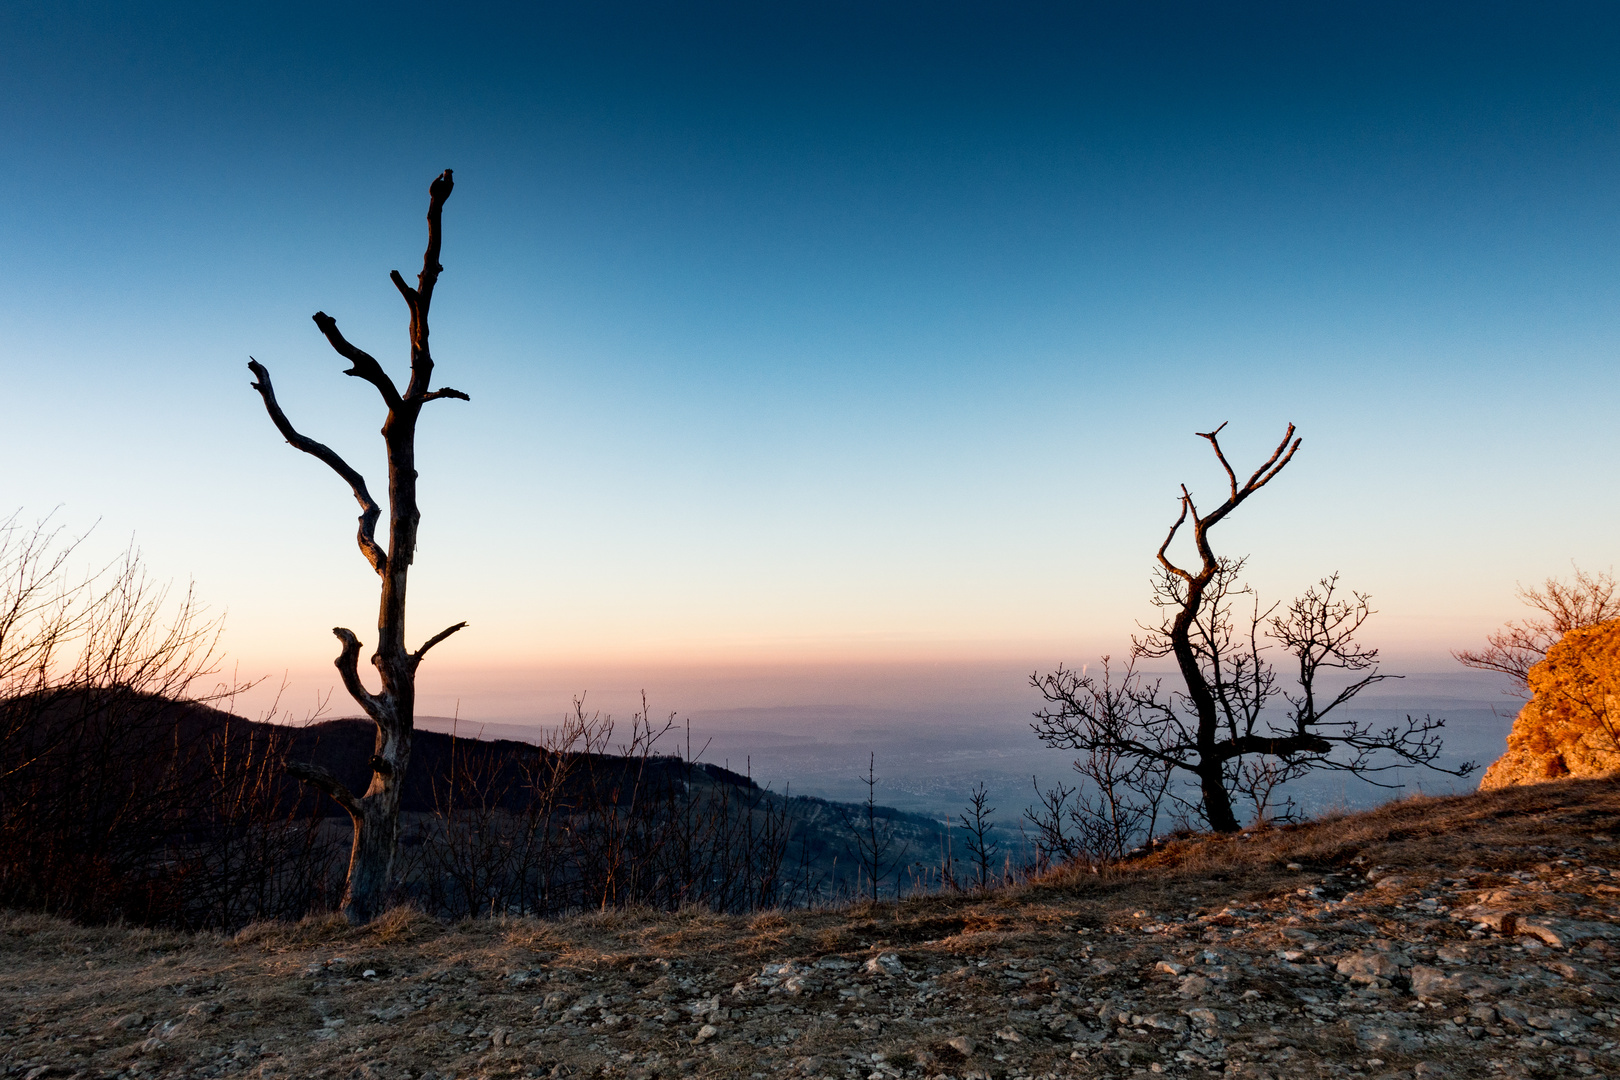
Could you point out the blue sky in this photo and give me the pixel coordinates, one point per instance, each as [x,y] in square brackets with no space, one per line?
[823,333]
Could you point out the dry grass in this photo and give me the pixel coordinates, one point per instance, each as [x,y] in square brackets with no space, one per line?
[1508,829]
[472,999]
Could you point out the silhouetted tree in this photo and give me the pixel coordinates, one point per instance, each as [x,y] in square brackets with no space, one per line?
[977,825]
[874,837]
[392,708]
[1212,728]
[1517,647]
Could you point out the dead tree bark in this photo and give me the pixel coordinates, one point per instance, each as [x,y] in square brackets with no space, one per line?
[393,708]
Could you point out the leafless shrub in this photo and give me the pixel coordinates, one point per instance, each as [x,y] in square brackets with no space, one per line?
[123,793]
[1116,806]
[256,847]
[875,847]
[977,830]
[1517,647]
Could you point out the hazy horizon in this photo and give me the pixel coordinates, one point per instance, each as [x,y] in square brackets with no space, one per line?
[931,748]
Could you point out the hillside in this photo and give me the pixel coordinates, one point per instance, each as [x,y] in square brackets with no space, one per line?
[165,813]
[1467,936]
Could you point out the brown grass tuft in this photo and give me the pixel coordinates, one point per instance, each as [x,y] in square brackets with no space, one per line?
[404,923]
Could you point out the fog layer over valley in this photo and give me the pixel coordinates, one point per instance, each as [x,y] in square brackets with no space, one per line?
[928,757]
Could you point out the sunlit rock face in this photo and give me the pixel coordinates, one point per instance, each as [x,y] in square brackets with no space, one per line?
[1571,726]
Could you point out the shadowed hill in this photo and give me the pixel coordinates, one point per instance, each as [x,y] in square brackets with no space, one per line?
[126,806]
[345,746]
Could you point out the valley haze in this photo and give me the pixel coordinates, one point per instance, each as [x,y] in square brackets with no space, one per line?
[937,730]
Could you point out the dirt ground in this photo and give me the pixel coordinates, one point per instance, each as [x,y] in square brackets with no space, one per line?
[1464,937]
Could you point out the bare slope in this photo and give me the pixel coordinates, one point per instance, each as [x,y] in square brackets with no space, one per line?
[1468,936]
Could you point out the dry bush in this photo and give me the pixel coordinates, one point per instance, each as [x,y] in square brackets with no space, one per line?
[123,795]
[1519,646]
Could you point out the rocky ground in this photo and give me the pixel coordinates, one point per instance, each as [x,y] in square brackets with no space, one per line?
[1462,937]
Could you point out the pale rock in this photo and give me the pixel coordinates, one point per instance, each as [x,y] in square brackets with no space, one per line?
[962,1045]
[390,1013]
[1432,982]
[1563,933]
[1512,1014]
[705,1033]
[1193,986]
[1503,922]
[1569,1020]
[1380,1040]
[1367,966]
[1164,1022]
[884,964]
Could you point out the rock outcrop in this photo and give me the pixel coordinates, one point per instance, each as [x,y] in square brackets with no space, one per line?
[1571,725]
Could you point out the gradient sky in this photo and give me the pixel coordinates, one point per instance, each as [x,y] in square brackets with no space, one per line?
[819,333]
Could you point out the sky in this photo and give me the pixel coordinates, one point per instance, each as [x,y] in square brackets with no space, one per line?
[832,351]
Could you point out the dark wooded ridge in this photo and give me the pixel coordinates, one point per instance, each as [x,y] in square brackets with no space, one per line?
[118,805]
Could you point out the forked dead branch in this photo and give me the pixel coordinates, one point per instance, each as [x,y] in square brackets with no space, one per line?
[393,707]
[1218,727]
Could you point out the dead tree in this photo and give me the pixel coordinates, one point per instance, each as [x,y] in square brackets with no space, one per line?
[392,708]
[1216,727]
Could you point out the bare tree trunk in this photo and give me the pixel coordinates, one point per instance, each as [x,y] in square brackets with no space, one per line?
[393,708]
[1210,761]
